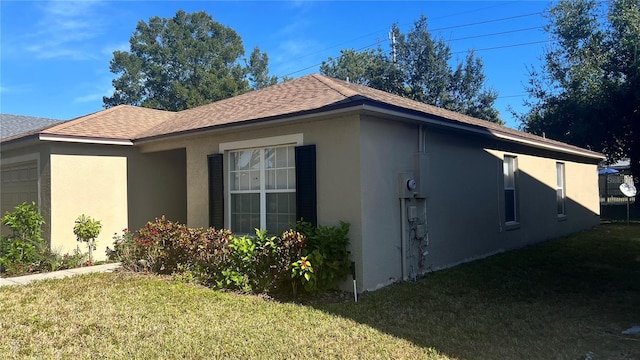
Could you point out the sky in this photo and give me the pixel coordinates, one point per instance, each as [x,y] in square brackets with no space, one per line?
[54,55]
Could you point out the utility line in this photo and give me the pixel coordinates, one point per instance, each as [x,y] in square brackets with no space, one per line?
[503,47]
[486,21]
[453,53]
[440,29]
[497,33]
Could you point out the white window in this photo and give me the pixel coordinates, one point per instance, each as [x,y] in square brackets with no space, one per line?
[560,189]
[509,167]
[262,189]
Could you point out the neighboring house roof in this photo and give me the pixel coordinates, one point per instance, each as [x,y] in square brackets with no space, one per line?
[305,96]
[13,125]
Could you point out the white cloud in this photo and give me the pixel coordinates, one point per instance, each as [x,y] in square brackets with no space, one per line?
[64,29]
[96,91]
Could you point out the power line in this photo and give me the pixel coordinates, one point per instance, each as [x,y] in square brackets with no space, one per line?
[445,28]
[503,47]
[486,21]
[497,33]
[453,53]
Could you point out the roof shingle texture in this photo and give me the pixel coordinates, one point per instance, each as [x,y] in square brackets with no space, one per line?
[302,95]
[12,125]
[122,122]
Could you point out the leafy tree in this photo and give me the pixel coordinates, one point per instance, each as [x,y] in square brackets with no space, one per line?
[587,91]
[178,63]
[258,69]
[420,70]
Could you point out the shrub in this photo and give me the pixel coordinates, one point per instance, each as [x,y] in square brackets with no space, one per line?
[25,247]
[220,259]
[327,250]
[54,260]
[87,230]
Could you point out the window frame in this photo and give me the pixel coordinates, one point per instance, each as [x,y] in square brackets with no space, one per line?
[510,183]
[261,144]
[561,185]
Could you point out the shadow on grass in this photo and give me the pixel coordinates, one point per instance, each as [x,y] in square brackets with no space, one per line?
[565,298]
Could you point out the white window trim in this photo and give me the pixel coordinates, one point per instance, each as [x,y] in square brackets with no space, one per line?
[225,148]
[563,187]
[512,224]
[293,139]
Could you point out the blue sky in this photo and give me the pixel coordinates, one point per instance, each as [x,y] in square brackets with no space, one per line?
[54,55]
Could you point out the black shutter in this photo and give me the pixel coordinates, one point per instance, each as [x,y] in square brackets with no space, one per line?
[216,191]
[306,198]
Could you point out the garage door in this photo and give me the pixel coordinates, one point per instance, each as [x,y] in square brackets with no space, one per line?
[19,184]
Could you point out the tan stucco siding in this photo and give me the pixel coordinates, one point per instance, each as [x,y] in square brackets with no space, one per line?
[338,177]
[463,200]
[92,185]
[582,189]
[157,186]
[466,199]
[387,149]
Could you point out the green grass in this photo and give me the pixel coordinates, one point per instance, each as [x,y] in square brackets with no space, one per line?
[562,299]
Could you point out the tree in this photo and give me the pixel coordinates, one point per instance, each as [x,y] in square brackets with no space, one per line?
[587,91]
[418,68]
[178,63]
[258,69]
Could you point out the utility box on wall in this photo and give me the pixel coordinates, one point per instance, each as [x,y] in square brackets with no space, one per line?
[406,185]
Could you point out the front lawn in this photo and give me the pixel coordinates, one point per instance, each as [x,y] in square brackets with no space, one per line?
[564,299]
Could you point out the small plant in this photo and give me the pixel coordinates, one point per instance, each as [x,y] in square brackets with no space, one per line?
[87,230]
[303,271]
[24,248]
[327,249]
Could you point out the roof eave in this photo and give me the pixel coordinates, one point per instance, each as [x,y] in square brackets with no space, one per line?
[84,139]
[336,109]
[452,124]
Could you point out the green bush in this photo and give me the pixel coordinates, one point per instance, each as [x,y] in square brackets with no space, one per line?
[24,248]
[327,250]
[220,259]
[54,260]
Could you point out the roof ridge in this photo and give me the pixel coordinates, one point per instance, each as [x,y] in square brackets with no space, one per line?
[335,85]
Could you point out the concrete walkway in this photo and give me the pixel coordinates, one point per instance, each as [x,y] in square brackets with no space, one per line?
[23,280]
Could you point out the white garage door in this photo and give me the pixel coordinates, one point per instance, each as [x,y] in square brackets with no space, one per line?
[19,184]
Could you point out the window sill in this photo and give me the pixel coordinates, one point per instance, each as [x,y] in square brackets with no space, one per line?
[512,225]
[562,217]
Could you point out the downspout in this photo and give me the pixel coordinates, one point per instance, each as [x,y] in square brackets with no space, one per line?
[403,238]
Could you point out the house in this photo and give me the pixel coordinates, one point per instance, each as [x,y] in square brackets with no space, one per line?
[19,182]
[11,125]
[422,187]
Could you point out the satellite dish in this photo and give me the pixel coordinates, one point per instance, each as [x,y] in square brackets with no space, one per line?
[628,189]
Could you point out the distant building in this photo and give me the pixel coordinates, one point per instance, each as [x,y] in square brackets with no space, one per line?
[11,125]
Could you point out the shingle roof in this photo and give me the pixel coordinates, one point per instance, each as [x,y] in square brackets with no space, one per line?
[12,125]
[305,95]
[122,122]
[316,93]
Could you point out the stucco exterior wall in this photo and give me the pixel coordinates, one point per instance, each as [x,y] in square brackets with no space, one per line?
[386,150]
[92,185]
[359,158]
[466,201]
[338,176]
[157,186]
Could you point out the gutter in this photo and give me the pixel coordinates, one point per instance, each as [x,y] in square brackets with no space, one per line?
[84,140]
[453,124]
